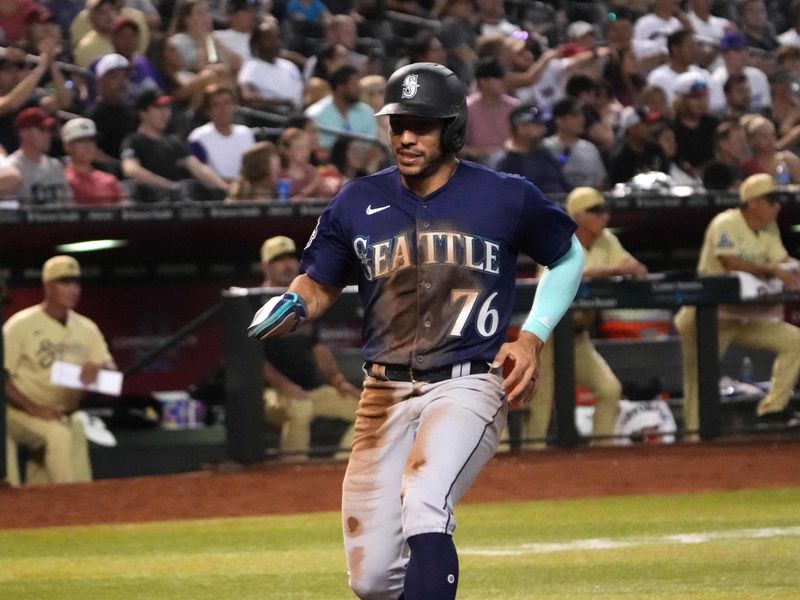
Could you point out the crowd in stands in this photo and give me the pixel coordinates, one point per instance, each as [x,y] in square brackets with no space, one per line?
[135,101]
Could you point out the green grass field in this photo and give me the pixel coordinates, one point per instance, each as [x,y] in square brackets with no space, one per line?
[743,545]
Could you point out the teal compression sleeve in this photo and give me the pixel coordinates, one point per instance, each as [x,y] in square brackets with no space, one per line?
[555,292]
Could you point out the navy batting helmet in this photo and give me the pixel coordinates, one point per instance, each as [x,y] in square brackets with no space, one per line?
[431,91]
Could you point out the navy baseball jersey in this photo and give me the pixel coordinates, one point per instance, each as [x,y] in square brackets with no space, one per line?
[436,274]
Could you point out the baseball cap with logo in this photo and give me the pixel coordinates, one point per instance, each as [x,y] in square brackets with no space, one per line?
[755,186]
[150,98]
[691,84]
[527,113]
[60,267]
[633,115]
[277,246]
[110,62]
[33,117]
[732,40]
[78,129]
[583,198]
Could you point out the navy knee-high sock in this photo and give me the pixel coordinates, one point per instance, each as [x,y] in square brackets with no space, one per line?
[432,571]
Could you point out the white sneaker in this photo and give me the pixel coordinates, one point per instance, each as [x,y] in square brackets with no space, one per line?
[95,429]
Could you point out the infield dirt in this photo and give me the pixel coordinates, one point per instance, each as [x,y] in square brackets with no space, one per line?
[272,488]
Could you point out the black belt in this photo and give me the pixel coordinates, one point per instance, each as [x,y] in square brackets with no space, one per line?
[405,373]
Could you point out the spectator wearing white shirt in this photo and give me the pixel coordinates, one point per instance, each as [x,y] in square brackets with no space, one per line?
[268,81]
[492,19]
[241,19]
[221,143]
[658,24]
[705,25]
[734,50]
[682,52]
[791,37]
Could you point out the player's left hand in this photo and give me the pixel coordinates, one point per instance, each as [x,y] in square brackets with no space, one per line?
[279,315]
[524,353]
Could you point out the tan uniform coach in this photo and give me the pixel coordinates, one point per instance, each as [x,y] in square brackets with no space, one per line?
[747,239]
[39,414]
[605,257]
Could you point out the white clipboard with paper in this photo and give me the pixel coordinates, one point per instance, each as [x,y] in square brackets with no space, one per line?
[69,375]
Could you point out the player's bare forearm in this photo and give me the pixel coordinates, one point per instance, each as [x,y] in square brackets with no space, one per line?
[734,263]
[318,297]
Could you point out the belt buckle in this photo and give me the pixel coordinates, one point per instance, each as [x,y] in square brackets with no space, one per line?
[411,375]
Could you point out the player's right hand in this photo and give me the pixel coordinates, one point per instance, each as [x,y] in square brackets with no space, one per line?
[279,315]
[524,354]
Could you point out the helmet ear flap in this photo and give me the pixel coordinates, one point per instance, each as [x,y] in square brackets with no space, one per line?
[453,133]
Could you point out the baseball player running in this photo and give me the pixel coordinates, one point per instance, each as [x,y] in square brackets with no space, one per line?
[434,241]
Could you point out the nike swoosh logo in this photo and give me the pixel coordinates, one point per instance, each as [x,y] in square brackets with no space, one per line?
[372,211]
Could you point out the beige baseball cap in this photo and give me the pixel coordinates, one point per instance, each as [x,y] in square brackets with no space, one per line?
[277,246]
[583,198]
[60,267]
[755,186]
[78,129]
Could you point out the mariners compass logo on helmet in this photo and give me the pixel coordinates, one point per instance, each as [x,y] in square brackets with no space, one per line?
[410,86]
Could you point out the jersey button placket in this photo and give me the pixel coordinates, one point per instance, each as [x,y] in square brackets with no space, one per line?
[423,222]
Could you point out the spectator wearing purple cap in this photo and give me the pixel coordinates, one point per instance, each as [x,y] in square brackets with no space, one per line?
[735,53]
[43,181]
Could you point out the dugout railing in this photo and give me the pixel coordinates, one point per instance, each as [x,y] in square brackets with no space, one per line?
[243,356]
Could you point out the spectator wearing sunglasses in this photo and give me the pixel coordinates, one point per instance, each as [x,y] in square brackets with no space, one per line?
[605,257]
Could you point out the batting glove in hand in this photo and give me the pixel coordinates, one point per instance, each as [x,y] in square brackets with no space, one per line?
[279,315]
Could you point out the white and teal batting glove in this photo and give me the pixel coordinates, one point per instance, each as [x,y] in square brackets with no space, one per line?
[279,315]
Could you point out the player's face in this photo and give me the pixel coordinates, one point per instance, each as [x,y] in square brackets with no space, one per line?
[767,208]
[594,219]
[416,142]
[63,293]
[282,270]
